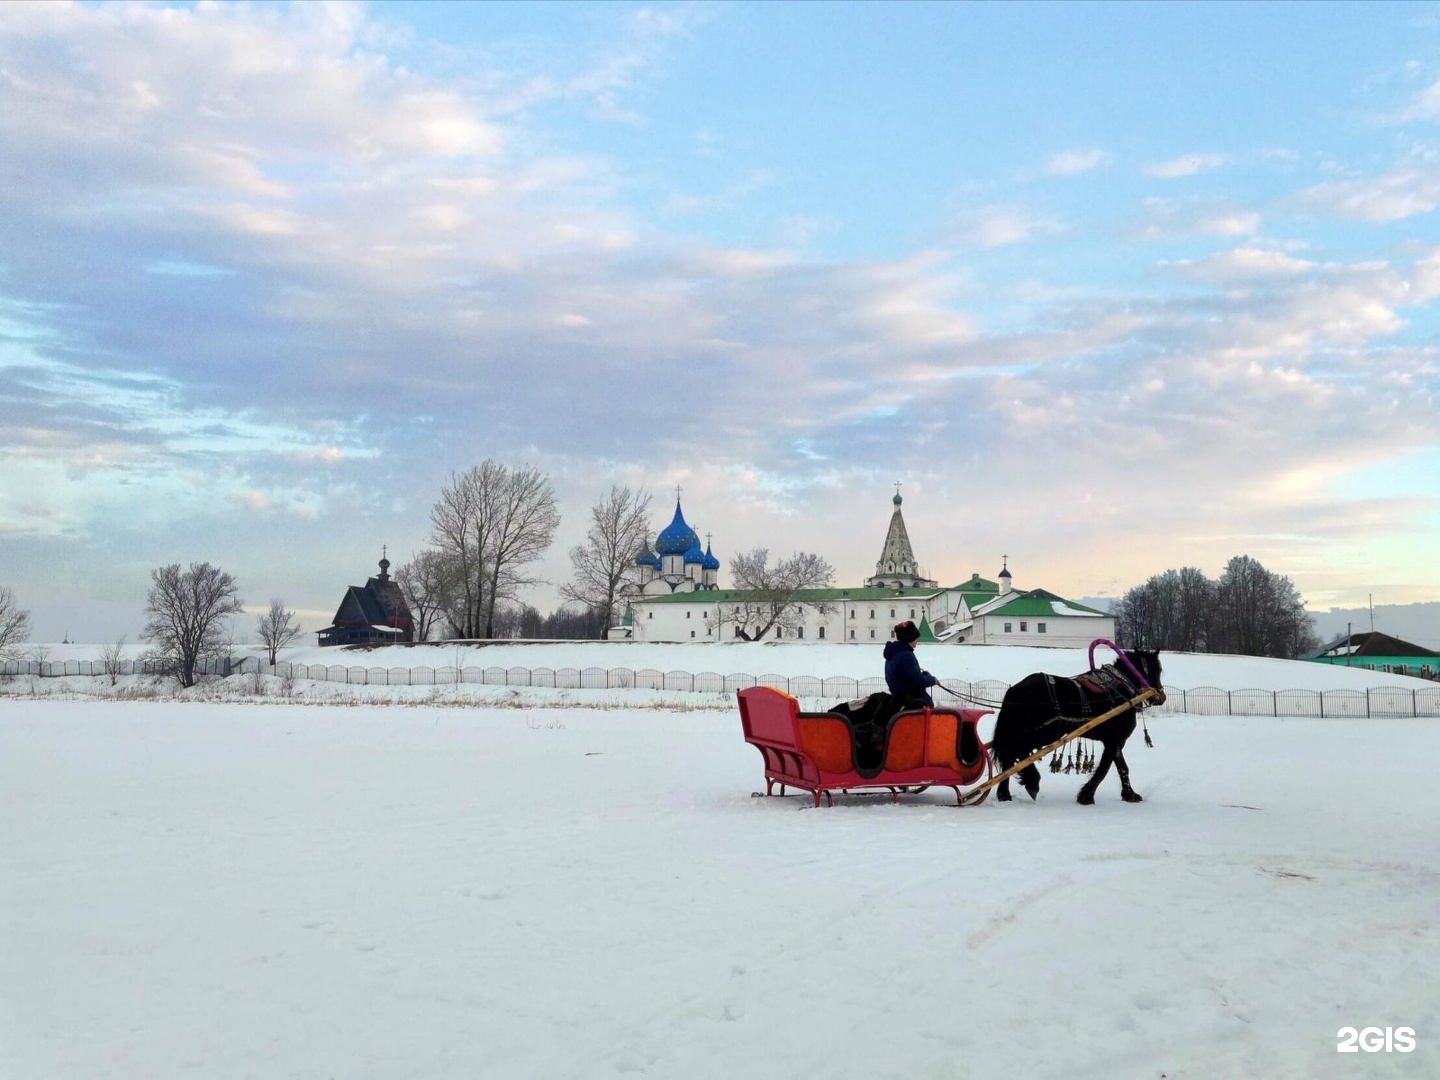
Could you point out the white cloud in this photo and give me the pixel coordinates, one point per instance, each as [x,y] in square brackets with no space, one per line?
[1236,223]
[1244,263]
[1405,191]
[1425,105]
[732,195]
[1187,165]
[1002,225]
[1165,219]
[1075,162]
[1426,279]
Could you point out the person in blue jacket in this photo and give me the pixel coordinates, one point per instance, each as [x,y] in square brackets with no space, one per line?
[908,683]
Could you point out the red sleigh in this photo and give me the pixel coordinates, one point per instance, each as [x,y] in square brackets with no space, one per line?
[815,752]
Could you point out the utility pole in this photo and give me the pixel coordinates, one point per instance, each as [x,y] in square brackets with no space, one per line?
[1348,646]
[1372,613]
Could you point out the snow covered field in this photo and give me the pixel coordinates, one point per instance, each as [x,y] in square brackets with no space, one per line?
[228,890]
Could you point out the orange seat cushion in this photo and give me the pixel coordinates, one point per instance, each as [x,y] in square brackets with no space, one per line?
[906,749]
[941,751]
[826,741]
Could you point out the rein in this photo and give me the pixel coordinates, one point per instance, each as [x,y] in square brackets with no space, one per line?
[970,697]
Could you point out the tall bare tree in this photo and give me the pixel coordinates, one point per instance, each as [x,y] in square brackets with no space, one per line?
[276,628]
[490,523]
[619,524]
[769,599]
[427,581]
[186,613]
[14,625]
[1260,613]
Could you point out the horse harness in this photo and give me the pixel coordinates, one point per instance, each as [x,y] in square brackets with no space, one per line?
[1109,684]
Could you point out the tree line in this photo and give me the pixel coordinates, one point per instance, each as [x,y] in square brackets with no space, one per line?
[1248,611]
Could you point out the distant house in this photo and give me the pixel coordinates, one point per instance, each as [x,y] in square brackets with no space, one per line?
[1379,652]
[373,612]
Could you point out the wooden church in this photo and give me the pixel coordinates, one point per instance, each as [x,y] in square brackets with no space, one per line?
[371,613]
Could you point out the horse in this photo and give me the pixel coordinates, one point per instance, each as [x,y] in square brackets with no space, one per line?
[1041,708]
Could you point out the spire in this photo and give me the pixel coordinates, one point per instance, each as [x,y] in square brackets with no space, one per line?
[897,566]
[384,563]
[1004,574]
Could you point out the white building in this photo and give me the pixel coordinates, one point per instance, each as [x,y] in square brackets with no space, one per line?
[680,600]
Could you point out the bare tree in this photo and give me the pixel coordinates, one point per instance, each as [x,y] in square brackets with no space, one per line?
[619,524]
[489,524]
[428,585]
[1173,610]
[525,525]
[14,625]
[186,613]
[769,598]
[276,628]
[1260,613]
[112,659]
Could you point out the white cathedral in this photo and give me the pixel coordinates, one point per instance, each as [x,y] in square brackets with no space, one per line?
[677,597]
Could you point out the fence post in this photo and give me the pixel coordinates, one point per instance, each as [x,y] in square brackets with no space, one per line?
[1367,703]
[1274,703]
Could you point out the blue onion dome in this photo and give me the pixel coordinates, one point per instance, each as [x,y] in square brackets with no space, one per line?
[694,554]
[646,557]
[677,537]
[711,562]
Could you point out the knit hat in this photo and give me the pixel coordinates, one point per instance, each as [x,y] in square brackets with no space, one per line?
[906,631]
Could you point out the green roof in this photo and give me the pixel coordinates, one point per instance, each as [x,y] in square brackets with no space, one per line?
[1040,602]
[979,584]
[975,599]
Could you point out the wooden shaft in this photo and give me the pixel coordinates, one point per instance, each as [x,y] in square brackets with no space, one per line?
[1143,696]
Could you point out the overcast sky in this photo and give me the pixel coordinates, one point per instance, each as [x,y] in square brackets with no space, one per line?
[1108,288]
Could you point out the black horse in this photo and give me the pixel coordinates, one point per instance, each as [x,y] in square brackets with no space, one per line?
[1042,708]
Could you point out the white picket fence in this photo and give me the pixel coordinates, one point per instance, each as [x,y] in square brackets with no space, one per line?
[1380,701]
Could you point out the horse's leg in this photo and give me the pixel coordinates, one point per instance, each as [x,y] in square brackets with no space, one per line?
[1002,791]
[1087,793]
[1128,793]
[1030,779]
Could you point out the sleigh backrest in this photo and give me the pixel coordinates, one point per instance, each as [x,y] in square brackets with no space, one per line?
[768,717]
[806,741]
